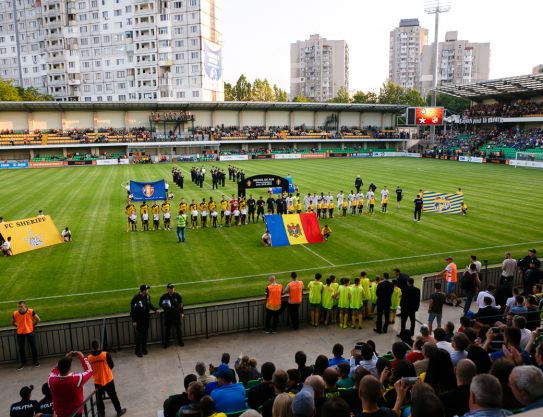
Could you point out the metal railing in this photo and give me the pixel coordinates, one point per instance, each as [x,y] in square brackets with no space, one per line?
[488,276]
[88,408]
[117,332]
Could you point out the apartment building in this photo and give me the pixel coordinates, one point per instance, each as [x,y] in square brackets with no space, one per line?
[459,62]
[406,43]
[114,50]
[318,68]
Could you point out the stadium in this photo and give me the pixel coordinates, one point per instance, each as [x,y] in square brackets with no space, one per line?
[70,162]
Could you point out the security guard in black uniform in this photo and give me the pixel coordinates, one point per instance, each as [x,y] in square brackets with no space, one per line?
[172,304]
[139,311]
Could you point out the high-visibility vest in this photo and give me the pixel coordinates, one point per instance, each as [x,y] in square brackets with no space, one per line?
[25,324]
[101,371]
[451,275]
[295,291]
[274,296]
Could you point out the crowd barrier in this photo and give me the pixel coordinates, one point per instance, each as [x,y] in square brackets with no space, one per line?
[117,332]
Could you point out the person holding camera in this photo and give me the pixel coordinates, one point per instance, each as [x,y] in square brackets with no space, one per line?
[67,386]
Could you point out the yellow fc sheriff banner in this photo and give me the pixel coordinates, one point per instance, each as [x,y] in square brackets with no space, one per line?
[30,234]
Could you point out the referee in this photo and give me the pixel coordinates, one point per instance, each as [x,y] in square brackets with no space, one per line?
[172,304]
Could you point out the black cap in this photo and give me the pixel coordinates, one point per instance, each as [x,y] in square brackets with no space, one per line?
[25,391]
[170,286]
[144,287]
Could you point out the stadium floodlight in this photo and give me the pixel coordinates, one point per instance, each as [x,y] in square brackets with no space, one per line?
[435,7]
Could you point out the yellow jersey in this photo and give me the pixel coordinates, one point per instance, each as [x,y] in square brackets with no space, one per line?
[212,206]
[183,206]
[203,206]
[224,204]
[144,209]
[155,209]
[165,207]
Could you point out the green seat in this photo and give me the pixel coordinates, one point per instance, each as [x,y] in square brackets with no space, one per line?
[253,383]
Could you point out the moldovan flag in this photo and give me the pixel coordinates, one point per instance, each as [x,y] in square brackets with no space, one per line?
[293,229]
[30,234]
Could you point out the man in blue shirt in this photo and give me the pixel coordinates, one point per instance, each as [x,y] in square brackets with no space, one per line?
[228,396]
[511,340]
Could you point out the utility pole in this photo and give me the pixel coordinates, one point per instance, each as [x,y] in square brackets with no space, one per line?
[435,7]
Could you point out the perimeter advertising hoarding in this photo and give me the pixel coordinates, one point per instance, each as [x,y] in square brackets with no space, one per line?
[234,158]
[13,164]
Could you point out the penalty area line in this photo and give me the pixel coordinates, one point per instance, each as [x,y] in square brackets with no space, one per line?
[51,297]
[316,254]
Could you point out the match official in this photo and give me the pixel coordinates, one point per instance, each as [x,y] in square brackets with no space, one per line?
[24,320]
[172,304]
[139,311]
[419,202]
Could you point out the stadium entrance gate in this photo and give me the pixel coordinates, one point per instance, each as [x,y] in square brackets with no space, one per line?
[262,181]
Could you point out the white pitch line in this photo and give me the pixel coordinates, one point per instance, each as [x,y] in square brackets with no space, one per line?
[280,272]
[316,254]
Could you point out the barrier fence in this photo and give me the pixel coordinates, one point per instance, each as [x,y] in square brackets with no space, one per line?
[117,332]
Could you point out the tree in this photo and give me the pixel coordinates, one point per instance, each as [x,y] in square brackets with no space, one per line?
[229,94]
[242,89]
[342,96]
[391,93]
[8,92]
[361,97]
[261,91]
[452,103]
[31,94]
[412,97]
[279,94]
[301,99]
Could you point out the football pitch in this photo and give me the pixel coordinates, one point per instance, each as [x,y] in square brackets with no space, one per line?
[100,270]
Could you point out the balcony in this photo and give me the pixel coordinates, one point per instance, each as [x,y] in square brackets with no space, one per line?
[165,63]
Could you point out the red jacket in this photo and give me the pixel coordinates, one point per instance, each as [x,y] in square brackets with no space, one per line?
[67,390]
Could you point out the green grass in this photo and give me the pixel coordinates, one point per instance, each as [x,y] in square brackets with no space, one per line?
[504,208]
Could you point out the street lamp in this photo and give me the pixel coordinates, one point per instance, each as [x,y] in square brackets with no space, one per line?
[435,7]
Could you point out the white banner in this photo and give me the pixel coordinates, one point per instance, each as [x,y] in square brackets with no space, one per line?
[529,164]
[474,159]
[288,156]
[112,161]
[234,158]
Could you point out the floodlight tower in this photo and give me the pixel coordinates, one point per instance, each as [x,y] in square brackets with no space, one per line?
[435,7]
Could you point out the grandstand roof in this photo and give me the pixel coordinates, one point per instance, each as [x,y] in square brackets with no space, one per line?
[524,86]
[201,105]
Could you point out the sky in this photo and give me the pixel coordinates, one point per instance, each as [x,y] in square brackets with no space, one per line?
[257,34]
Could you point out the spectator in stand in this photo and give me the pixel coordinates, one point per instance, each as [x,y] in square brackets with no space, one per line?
[426,334]
[501,369]
[403,369]
[368,360]
[503,292]
[294,382]
[330,377]
[45,405]
[208,407]
[282,406]
[202,375]
[485,398]
[301,359]
[416,353]
[440,373]
[321,363]
[476,353]
[351,395]
[511,346]
[441,343]
[533,313]
[195,393]
[489,292]
[67,386]
[526,382]
[345,380]
[399,350]
[280,386]
[488,315]
[26,407]
[303,404]
[338,358]
[228,396]
[460,343]
[225,361]
[173,403]
[470,283]
[102,364]
[245,371]
[409,304]
[456,401]
[530,265]
[260,393]
[509,266]
[371,392]
[335,407]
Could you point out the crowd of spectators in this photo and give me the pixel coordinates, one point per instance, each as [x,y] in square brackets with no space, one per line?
[514,109]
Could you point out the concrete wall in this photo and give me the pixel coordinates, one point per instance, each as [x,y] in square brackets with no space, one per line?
[77,119]
[302,118]
[371,119]
[109,118]
[46,120]
[253,118]
[277,118]
[11,120]
[222,117]
[349,119]
[137,119]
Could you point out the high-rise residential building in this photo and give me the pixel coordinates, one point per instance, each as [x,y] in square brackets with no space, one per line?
[538,69]
[406,42]
[459,62]
[318,68]
[114,50]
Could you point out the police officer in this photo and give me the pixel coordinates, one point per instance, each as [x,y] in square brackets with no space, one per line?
[139,311]
[251,204]
[172,304]
[26,407]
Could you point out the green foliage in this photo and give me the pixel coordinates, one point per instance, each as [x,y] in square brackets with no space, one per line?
[361,97]
[9,92]
[259,90]
[452,103]
[301,99]
[342,96]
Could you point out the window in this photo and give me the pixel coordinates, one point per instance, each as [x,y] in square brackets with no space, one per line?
[178,5]
[94,15]
[194,55]
[163,31]
[164,17]
[178,17]
[180,94]
[84,41]
[122,97]
[194,68]
[82,5]
[128,9]
[194,29]
[121,86]
[193,3]
[195,94]
[104,15]
[97,64]
[83,29]
[180,44]
[86,88]
[120,61]
[71,64]
[194,42]
[117,12]
[88,98]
